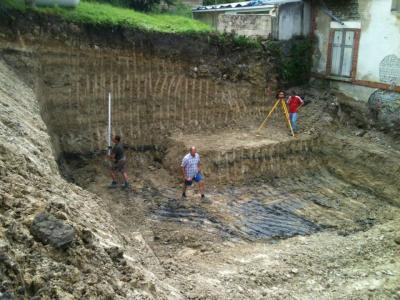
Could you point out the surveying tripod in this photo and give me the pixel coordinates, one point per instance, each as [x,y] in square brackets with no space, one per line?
[285,111]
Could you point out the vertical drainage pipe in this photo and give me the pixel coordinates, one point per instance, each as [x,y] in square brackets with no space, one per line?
[109,123]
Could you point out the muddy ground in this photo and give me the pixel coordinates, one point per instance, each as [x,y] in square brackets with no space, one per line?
[315,234]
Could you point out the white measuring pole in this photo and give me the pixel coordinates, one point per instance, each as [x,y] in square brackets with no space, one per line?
[109,123]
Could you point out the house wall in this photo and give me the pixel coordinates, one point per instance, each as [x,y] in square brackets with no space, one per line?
[375,76]
[321,33]
[306,18]
[248,25]
[380,40]
[290,20]
[294,19]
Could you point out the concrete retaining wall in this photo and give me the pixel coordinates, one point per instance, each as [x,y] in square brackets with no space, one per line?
[248,25]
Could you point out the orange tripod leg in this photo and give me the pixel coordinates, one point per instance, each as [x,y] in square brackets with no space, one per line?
[286,112]
[272,110]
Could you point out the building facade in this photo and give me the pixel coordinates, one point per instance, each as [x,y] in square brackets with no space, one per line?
[358,47]
[276,19]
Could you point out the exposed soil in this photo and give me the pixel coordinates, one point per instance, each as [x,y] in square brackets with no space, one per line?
[310,217]
[312,235]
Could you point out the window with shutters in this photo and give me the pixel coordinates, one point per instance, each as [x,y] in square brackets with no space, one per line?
[342,52]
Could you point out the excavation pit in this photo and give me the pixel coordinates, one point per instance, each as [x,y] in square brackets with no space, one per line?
[263,187]
[317,214]
[294,191]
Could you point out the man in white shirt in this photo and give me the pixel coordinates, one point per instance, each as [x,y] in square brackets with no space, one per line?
[191,171]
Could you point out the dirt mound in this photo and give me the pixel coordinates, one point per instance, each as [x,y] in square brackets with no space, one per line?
[30,184]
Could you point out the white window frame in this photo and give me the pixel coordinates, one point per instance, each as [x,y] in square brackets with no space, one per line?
[345,26]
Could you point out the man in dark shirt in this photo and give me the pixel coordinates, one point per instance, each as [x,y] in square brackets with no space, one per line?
[118,158]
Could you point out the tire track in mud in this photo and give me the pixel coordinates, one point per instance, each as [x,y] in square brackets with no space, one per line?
[274,210]
[250,220]
[273,221]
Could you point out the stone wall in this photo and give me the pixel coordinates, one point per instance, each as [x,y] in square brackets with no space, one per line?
[344,9]
[248,25]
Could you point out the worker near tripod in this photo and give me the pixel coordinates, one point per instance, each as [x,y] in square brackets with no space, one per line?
[280,100]
[294,102]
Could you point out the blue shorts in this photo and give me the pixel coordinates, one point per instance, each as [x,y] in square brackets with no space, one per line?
[196,178]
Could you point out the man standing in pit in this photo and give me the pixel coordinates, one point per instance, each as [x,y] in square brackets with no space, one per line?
[294,103]
[119,162]
[191,171]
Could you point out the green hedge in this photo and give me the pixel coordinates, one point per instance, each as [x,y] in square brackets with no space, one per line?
[293,60]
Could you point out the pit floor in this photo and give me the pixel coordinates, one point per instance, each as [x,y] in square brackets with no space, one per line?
[313,236]
[230,139]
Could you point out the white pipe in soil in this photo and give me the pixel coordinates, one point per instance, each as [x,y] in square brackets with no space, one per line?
[109,123]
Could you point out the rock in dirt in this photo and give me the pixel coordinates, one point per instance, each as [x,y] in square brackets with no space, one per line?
[87,236]
[360,133]
[5,296]
[115,253]
[48,229]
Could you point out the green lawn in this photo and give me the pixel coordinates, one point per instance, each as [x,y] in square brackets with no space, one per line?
[97,13]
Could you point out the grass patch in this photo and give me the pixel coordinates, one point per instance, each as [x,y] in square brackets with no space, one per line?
[105,14]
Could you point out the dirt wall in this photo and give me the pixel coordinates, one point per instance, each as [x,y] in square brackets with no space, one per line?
[151,97]
[241,162]
[160,83]
[30,184]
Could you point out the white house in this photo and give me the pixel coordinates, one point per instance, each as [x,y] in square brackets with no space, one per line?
[358,48]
